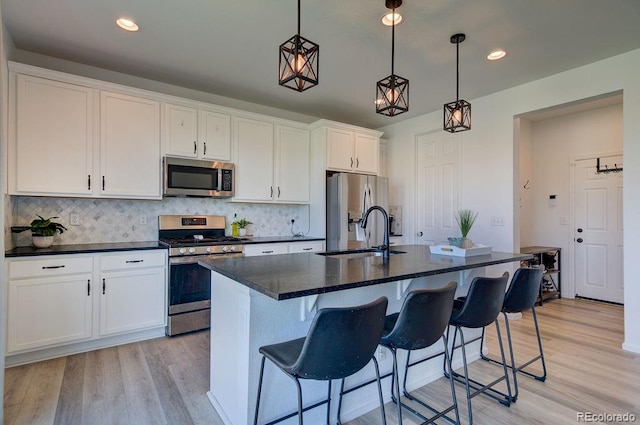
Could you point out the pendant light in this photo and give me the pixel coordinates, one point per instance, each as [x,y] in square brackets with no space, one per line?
[298,68]
[457,115]
[392,93]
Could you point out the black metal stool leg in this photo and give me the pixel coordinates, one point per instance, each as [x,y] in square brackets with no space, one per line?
[329,403]
[542,377]
[513,361]
[509,397]
[255,418]
[466,371]
[299,400]
[447,358]
[395,385]
[383,416]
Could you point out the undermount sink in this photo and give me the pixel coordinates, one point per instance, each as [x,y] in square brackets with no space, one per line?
[357,253]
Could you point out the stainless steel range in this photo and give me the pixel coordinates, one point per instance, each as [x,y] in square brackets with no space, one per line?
[191,238]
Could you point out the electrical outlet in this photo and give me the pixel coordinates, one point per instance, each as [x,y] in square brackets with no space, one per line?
[74,219]
[497,221]
[143,220]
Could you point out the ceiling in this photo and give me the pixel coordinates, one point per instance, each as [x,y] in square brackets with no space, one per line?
[230,48]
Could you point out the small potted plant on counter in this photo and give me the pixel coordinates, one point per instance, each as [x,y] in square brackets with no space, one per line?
[42,231]
[242,226]
[465,219]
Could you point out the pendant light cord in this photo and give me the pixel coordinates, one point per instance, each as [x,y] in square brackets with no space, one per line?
[298,18]
[457,69]
[393,36]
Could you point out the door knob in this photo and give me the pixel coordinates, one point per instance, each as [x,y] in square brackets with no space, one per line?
[579,229]
[579,240]
[420,234]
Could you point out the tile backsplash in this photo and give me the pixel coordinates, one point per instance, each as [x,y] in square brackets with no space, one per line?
[117,220]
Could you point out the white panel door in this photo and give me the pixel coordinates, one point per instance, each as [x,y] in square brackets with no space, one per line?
[49,311]
[598,241]
[132,300]
[54,138]
[180,131]
[291,165]
[437,186]
[367,152]
[215,135]
[129,147]
[254,167]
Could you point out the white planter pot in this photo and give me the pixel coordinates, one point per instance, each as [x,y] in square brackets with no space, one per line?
[42,241]
[242,232]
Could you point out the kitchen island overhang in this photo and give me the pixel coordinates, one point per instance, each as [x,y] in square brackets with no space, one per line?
[263,300]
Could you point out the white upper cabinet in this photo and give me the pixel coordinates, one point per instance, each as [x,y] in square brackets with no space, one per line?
[192,132]
[291,165]
[129,146]
[254,160]
[272,162]
[349,148]
[71,140]
[51,149]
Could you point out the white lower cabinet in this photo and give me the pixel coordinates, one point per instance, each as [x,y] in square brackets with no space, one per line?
[45,311]
[58,300]
[282,248]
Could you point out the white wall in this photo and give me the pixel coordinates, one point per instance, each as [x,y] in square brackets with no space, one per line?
[525,190]
[490,162]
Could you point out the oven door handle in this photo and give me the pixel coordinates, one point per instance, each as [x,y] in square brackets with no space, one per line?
[193,259]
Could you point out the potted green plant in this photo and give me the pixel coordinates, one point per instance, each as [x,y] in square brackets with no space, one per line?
[242,226]
[465,219]
[42,231]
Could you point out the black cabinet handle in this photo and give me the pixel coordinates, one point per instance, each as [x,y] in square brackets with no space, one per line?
[195,147]
[53,267]
[271,188]
[357,162]
[102,182]
[307,249]
[89,182]
[278,191]
[133,261]
[267,252]
[205,148]
[104,286]
[88,287]
[352,162]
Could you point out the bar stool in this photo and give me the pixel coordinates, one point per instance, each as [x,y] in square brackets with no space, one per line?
[420,323]
[478,309]
[340,342]
[522,295]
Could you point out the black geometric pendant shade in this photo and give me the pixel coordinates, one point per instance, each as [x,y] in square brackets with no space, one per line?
[457,115]
[298,62]
[392,93]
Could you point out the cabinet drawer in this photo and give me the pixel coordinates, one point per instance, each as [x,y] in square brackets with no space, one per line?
[50,266]
[316,246]
[133,260]
[265,249]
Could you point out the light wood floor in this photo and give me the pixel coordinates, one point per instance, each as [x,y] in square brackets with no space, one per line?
[163,381]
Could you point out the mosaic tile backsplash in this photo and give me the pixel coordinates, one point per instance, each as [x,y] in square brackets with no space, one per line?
[116,220]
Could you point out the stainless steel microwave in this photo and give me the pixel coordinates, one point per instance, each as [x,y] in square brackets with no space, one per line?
[194,177]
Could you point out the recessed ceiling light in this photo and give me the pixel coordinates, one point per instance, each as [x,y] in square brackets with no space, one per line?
[497,54]
[388,18]
[127,24]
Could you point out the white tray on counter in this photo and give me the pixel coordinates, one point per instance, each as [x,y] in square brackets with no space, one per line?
[460,252]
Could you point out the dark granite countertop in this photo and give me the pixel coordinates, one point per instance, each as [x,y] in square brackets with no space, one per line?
[275,239]
[85,248]
[297,275]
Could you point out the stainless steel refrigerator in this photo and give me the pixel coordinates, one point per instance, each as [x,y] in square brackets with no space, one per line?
[348,198]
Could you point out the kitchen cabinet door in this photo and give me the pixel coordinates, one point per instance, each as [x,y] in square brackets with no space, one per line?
[311,246]
[132,300]
[367,153]
[180,130]
[291,165]
[191,132]
[215,135]
[49,311]
[129,147]
[340,149]
[51,151]
[254,165]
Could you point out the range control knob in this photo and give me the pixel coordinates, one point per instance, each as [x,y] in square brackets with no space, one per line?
[232,248]
[182,251]
[208,249]
[225,248]
[192,250]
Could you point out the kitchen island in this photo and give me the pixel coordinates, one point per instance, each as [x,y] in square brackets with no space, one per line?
[263,300]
